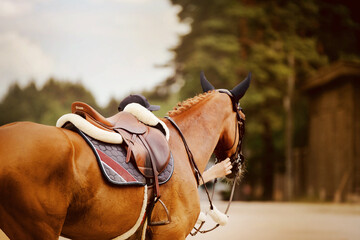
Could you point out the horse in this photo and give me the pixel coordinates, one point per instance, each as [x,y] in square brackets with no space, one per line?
[51,185]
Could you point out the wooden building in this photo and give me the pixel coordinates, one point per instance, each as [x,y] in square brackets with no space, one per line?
[331,166]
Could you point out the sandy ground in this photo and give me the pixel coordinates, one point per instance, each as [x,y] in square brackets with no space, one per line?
[288,221]
[280,221]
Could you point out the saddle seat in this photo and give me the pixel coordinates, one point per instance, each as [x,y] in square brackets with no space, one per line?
[110,123]
[146,146]
[92,116]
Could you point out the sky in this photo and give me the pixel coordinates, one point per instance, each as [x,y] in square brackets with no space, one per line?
[113,47]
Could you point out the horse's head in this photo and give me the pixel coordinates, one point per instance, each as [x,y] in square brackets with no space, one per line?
[230,141]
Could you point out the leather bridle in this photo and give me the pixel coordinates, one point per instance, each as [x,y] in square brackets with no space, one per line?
[236,159]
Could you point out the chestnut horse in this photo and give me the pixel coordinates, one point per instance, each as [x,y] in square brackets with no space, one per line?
[51,185]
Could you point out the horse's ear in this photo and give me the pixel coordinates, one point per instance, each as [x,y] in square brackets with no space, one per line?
[239,91]
[205,84]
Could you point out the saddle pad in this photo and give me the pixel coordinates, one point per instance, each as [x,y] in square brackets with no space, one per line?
[111,159]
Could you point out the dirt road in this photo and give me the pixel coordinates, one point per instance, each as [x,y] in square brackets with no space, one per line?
[284,221]
[288,221]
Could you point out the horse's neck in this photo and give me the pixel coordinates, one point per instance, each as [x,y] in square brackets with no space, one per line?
[202,126]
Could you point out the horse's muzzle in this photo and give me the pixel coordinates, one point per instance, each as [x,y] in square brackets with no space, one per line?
[237,163]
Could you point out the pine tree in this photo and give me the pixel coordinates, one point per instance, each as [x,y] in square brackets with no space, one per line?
[282,43]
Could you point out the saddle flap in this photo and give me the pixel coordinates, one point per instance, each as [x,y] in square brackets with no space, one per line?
[159,148]
[148,151]
[128,122]
[111,159]
[138,152]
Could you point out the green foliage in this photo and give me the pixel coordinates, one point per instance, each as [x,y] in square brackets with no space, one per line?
[54,99]
[228,38]
[165,106]
[43,105]
[111,108]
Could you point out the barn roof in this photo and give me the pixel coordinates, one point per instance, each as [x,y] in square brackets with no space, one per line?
[332,73]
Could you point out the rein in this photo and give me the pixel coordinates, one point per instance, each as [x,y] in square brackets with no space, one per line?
[198,230]
[237,159]
[197,173]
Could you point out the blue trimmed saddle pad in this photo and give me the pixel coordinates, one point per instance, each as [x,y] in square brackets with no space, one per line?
[111,159]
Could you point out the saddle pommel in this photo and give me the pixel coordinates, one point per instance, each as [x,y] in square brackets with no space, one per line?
[129,123]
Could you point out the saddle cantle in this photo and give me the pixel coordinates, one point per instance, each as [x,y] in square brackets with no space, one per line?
[91,115]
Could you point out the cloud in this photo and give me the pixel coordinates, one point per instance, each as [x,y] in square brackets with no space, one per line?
[133,1]
[22,59]
[13,8]
[112,46]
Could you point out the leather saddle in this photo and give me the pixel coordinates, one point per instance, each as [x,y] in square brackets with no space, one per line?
[146,146]
[92,116]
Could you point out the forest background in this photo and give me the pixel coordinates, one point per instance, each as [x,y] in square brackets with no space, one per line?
[283,43]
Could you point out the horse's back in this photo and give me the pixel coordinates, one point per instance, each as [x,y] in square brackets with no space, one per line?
[52,183]
[31,148]
[35,176]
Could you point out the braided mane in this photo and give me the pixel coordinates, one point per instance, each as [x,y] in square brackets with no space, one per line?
[185,105]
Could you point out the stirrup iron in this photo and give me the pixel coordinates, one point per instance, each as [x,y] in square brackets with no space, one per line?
[159,223]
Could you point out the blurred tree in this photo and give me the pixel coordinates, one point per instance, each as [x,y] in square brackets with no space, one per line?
[111,108]
[212,45]
[45,105]
[282,43]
